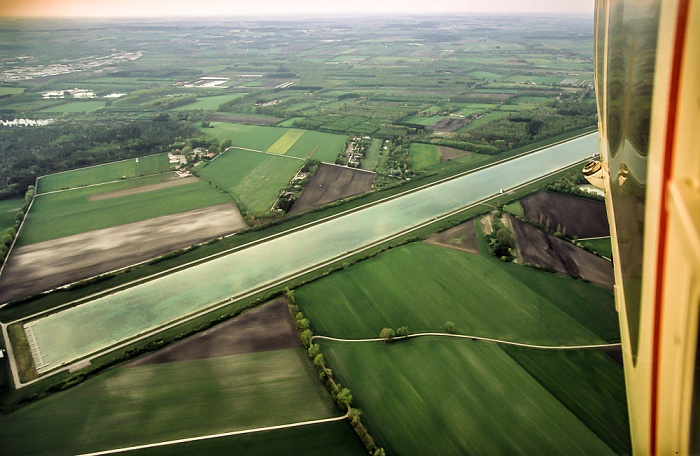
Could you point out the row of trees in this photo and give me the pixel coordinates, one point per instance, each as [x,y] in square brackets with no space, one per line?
[341,394]
[10,233]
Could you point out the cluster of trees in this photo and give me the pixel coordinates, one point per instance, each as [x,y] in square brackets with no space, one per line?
[570,184]
[500,240]
[388,334]
[26,153]
[10,233]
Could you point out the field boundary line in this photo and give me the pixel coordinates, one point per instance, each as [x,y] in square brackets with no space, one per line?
[483,339]
[216,436]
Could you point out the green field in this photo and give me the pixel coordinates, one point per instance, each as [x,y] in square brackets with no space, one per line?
[484,75]
[601,246]
[76,106]
[246,136]
[424,155]
[336,438]
[135,405]
[11,90]
[208,103]
[514,208]
[282,145]
[422,120]
[587,382]
[483,120]
[433,396]
[142,166]
[71,212]
[325,146]
[254,179]
[8,212]
[424,286]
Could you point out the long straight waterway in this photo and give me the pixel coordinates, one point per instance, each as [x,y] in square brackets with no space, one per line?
[81,330]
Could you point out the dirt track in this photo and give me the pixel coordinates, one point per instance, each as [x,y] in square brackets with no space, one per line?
[461,237]
[539,247]
[332,183]
[266,328]
[581,217]
[39,267]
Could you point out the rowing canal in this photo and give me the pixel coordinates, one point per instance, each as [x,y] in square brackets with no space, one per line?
[79,331]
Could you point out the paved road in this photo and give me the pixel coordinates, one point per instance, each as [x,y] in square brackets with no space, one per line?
[137,311]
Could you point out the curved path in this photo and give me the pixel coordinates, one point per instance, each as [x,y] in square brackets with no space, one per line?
[216,436]
[484,339]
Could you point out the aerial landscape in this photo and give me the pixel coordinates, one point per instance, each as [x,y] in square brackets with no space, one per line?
[305,234]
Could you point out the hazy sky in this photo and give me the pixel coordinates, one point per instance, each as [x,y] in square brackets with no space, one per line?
[219,8]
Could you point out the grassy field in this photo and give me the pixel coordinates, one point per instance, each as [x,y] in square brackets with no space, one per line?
[335,438]
[453,396]
[421,120]
[282,145]
[11,90]
[8,212]
[514,208]
[587,382]
[601,246]
[325,146]
[135,405]
[100,174]
[254,179]
[208,103]
[372,154]
[424,286]
[71,212]
[76,106]
[246,136]
[486,118]
[424,155]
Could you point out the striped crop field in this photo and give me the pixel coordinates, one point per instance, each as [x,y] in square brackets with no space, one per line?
[282,145]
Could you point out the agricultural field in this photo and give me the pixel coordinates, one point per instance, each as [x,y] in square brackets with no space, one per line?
[101,174]
[11,90]
[282,145]
[76,107]
[560,255]
[424,286]
[149,403]
[208,103]
[253,137]
[45,265]
[424,155]
[332,183]
[570,215]
[71,212]
[252,178]
[462,237]
[320,146]
[335,438]
[472,389]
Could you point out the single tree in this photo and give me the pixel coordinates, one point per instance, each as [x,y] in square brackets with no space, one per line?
[387,334]
[402,331]
[450,327]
